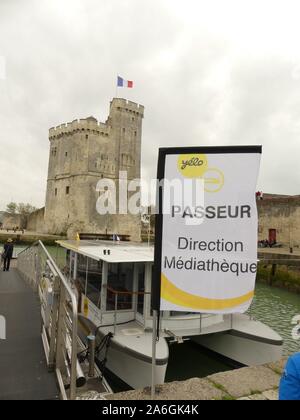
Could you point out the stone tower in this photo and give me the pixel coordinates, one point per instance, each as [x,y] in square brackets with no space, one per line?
[81,153]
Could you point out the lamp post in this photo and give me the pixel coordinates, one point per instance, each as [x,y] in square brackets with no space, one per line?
[148,222]
[146,218]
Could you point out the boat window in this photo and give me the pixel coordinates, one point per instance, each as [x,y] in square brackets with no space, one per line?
[66,268]
[94,281]
[120,279]
[72,264]
[89,278]
[81,273]
[141,288]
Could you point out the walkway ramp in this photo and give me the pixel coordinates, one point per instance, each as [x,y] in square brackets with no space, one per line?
[23,369]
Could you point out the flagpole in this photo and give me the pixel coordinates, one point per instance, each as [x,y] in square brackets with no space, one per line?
[117,87]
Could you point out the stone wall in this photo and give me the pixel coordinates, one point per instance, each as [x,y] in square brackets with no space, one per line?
[282,214]
[9,221]
[35,221]
[248,383]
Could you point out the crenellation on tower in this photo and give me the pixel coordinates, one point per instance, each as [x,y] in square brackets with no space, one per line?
[89,124]
[126,105]
[81,153]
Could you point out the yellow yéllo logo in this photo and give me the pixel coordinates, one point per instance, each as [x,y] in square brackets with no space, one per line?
[196,166]
[192,166]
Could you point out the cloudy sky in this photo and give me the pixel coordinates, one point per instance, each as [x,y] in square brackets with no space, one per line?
[208,72]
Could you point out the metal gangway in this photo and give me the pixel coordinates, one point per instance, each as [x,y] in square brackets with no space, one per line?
[59,318]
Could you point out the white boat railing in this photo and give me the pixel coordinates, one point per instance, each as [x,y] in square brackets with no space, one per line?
[117,294]
[59,315]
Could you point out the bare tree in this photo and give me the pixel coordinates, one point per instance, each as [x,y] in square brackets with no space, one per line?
[22,209]
[25,209]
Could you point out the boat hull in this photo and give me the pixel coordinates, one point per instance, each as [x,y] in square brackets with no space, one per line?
[245,350]
[129,357]
[135,371]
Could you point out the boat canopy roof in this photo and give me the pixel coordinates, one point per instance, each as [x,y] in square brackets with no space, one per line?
[111,252]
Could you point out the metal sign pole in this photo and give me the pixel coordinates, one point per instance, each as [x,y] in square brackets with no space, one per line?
[153,383]
[149,230]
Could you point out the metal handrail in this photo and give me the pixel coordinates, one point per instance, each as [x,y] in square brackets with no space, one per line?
[62,291]
[122,292]
[29,246]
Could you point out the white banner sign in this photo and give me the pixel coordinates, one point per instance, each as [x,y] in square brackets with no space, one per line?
[206,244]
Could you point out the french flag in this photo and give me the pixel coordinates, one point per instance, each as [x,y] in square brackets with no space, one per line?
[124,83]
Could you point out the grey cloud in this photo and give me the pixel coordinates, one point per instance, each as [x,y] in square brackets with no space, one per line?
[62,59]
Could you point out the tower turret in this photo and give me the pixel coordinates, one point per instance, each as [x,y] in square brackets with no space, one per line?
[125,119]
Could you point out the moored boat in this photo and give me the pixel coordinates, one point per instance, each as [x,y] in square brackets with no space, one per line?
[113,282]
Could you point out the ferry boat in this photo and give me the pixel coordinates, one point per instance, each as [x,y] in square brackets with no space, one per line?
[113,285]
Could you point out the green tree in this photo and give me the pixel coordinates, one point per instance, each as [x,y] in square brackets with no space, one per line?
[12,208]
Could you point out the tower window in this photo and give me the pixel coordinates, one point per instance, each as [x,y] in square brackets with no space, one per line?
[55,192]
[66,154]
[135,134]
[124,130]
[132,118]
[67,190]
[86,136]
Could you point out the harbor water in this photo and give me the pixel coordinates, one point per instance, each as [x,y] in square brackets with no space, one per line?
[276,308]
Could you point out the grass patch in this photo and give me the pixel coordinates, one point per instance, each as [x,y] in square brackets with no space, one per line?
[278,372]
[219,387]
[255,392]
[228,398]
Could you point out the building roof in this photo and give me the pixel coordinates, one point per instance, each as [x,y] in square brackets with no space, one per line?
[119,251]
